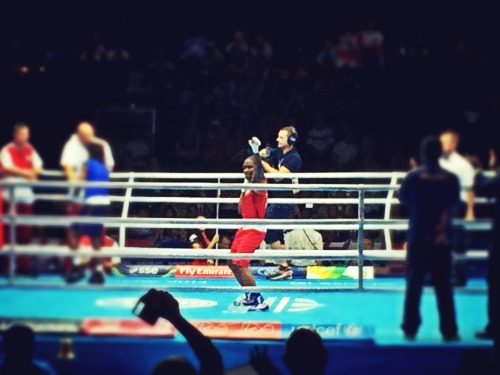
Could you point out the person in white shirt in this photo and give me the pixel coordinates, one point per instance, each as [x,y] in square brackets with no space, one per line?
[455,163]
[303,239]
[75,153]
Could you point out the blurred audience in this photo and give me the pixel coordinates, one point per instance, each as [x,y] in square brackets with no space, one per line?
[18,351]
[208,355]
[301,344]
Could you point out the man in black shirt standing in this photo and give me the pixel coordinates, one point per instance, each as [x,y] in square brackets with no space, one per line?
[430,193]
[282,159]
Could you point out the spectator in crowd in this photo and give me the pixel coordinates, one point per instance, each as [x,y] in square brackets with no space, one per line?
[147,234]
[199,240]
[19,161]
[260,55]
[430,193]
[326,57]
[301,344]
[238,51]
[345,153]
[348,51]
[225,241]
[320,141]
[455,163]
[95,51]
[18,351]
[303,239]
[188,145]
[372,45]
[161,237]
[208,355]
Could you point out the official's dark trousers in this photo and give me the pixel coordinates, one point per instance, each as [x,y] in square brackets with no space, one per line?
[424,258]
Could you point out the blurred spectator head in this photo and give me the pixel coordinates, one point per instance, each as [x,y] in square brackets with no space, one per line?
[19,344]
[430,149]
[21,134]
[239,37]
[367,244]
[96,151]
[449,141]
[173,366]
[473,359]
[169,211]
[305,352]
[225,242]
[85,132]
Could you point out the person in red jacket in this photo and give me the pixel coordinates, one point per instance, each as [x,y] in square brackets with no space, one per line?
[19,162]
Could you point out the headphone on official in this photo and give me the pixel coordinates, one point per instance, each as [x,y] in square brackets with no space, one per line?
[292,137]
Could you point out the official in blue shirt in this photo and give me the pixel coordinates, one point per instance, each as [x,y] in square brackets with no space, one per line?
[429,193]
[96,205]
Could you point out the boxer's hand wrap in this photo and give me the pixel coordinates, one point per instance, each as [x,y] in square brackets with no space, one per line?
[254,144]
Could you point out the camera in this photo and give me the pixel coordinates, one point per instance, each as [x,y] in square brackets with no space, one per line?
[265,153]
[148,307]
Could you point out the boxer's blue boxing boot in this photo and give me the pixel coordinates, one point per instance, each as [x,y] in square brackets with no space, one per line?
[256,302]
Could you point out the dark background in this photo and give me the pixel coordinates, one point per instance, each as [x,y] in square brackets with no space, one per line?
[409,98]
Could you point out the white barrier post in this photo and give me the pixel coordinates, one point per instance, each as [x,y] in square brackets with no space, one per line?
[361,236]
[126,205]
[387,213]
[12,233]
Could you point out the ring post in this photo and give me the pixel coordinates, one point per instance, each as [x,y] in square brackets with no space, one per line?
[217,207]
[361,236]
[125,208]
[1,221]
[12,233]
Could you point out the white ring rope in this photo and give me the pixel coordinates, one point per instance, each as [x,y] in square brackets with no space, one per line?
[131,184]
[320,224]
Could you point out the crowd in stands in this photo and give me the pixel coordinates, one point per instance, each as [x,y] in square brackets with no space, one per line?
[212,90]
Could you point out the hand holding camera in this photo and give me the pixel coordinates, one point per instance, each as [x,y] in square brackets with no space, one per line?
[155,304]
[265,153]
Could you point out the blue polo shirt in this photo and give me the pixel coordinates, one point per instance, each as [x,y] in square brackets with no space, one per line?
[428,192]
[292,161]
[96,172]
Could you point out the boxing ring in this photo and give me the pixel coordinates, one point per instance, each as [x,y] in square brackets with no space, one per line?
[356,309]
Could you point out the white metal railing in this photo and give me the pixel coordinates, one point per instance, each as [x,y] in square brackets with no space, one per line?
[360,223]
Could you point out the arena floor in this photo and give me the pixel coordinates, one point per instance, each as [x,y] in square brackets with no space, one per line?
[101,324]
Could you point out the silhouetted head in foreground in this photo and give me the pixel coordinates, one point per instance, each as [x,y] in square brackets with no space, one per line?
[430,150]
[305,353]
[474,359]
[174,366]
[19,344]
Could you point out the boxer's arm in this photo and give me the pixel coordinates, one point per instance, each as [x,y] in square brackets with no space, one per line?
[258,169]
